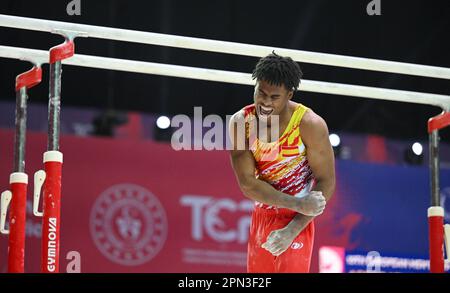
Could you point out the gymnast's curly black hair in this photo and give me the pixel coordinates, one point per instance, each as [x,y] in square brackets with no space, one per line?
[278,70]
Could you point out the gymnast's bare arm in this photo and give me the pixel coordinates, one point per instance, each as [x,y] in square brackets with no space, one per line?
[243,164]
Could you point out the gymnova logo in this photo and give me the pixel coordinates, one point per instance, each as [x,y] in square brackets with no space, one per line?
[128,224]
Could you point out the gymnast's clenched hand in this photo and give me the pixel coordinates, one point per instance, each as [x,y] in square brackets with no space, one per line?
[313,204]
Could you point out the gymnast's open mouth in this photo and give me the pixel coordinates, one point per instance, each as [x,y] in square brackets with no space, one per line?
[264,111]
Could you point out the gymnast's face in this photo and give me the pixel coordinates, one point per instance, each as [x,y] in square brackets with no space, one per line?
[270,99]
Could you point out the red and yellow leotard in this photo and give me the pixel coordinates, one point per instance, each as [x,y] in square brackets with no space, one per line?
[284,165]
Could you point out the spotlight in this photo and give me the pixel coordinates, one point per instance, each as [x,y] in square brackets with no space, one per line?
[163,131]
[414,154]
[417,148]
[335,140]
[163,122]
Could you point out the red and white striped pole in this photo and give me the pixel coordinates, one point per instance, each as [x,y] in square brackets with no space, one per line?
[17,195]
[436,212]
[50,177]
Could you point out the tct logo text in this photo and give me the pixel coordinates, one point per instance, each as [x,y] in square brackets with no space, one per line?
[207,216]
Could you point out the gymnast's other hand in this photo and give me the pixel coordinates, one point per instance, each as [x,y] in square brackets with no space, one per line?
[279,241]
